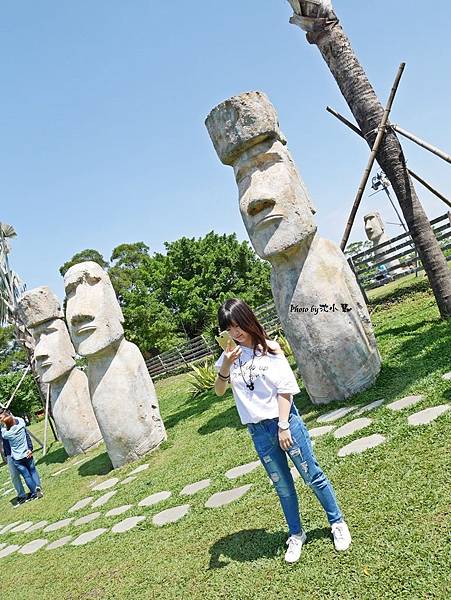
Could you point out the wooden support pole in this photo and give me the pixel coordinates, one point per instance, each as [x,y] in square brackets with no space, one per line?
[412,173]
[46,419]
[372,158]
[18,386]
[410,136]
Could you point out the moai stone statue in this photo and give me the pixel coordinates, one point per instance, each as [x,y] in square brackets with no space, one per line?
[317,298]
[375,231]
[122,393]
[54,355]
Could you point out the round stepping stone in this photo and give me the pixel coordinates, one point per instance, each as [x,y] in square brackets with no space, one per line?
[36,527]
[21,527]
[87,519]
[171,515]
[59,524]
[362,444]
[242,469]
[8,550]
[81,504]
[140,469]
[128,480]
[32,547]
[127,524]
[192,488]
[224,498]
[318,431]
[103,499]
[294,473]
[105,485]
[423,417]
[154,498]
[336,414]
[352,427]
[59,543]
[447,376]
[7,528]
[114,512]
[404,402]
[368,407]
[84,538]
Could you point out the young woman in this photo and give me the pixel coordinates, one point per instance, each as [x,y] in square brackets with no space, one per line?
[263,385]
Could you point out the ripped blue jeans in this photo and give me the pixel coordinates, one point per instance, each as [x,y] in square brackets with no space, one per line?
[274,459]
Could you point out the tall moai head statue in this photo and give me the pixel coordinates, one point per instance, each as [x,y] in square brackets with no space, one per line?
[40,311]
[275,206]
[374,226]
[93,314]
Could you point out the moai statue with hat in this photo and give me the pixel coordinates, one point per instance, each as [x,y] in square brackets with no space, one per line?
[122,392]
[317,297]
[54,354]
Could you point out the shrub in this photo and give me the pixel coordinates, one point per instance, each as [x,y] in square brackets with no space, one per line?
[203,378]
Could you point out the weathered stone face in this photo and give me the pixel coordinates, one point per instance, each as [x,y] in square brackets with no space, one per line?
[93,314]
[54,353]
[374,226]
[274,203]
[38,305]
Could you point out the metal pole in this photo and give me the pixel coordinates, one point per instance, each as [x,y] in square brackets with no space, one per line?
[394,208]
[372,158]
[46,419]
[422,143]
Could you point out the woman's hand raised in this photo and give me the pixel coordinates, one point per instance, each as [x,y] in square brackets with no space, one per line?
[231,354]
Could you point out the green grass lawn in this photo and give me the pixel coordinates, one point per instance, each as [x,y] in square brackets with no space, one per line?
[396,497]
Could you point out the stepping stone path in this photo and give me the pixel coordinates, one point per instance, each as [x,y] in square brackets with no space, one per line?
[447,376]
[118,510]
[224,498]
[8,550]
[368,407]
[128,480]
[59,543]
[7,528]
[32,547]
[352,427]
[8,492]
[103,499]
[242,469]
[140,469]
[171,515]
[127,524]
[2,546]
[105,485]
[87,519]
[21,527]
[36,527]
[318,431]
[59,472]
[59,524]
[154,499]
[192,488]
[336,414]
[362,444]
[404,402]
[426,416]
[81,504]
[84,538]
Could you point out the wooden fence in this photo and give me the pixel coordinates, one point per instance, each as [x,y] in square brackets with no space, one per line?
[400,248]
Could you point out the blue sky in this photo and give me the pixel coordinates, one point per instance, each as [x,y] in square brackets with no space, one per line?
[103,106]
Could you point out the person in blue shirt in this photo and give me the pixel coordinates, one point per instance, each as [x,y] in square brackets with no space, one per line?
[18,450]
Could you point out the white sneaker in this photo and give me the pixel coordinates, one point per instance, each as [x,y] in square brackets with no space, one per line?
[295,543]
[342,537]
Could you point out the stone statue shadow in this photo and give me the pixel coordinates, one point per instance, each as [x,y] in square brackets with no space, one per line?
[192,407]
[252,544]
[57,456]
[99,465]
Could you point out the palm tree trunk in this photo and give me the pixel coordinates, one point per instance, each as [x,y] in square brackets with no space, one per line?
[319,20]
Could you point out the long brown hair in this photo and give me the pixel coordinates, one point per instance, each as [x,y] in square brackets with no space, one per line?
[237,312]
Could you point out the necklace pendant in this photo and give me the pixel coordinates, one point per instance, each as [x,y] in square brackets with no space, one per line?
[251,387]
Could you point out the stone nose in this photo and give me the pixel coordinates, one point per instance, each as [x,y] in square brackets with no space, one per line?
[81,319]
[257,205]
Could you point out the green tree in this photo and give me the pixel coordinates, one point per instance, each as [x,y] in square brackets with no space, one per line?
[88,254]
[12,355]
